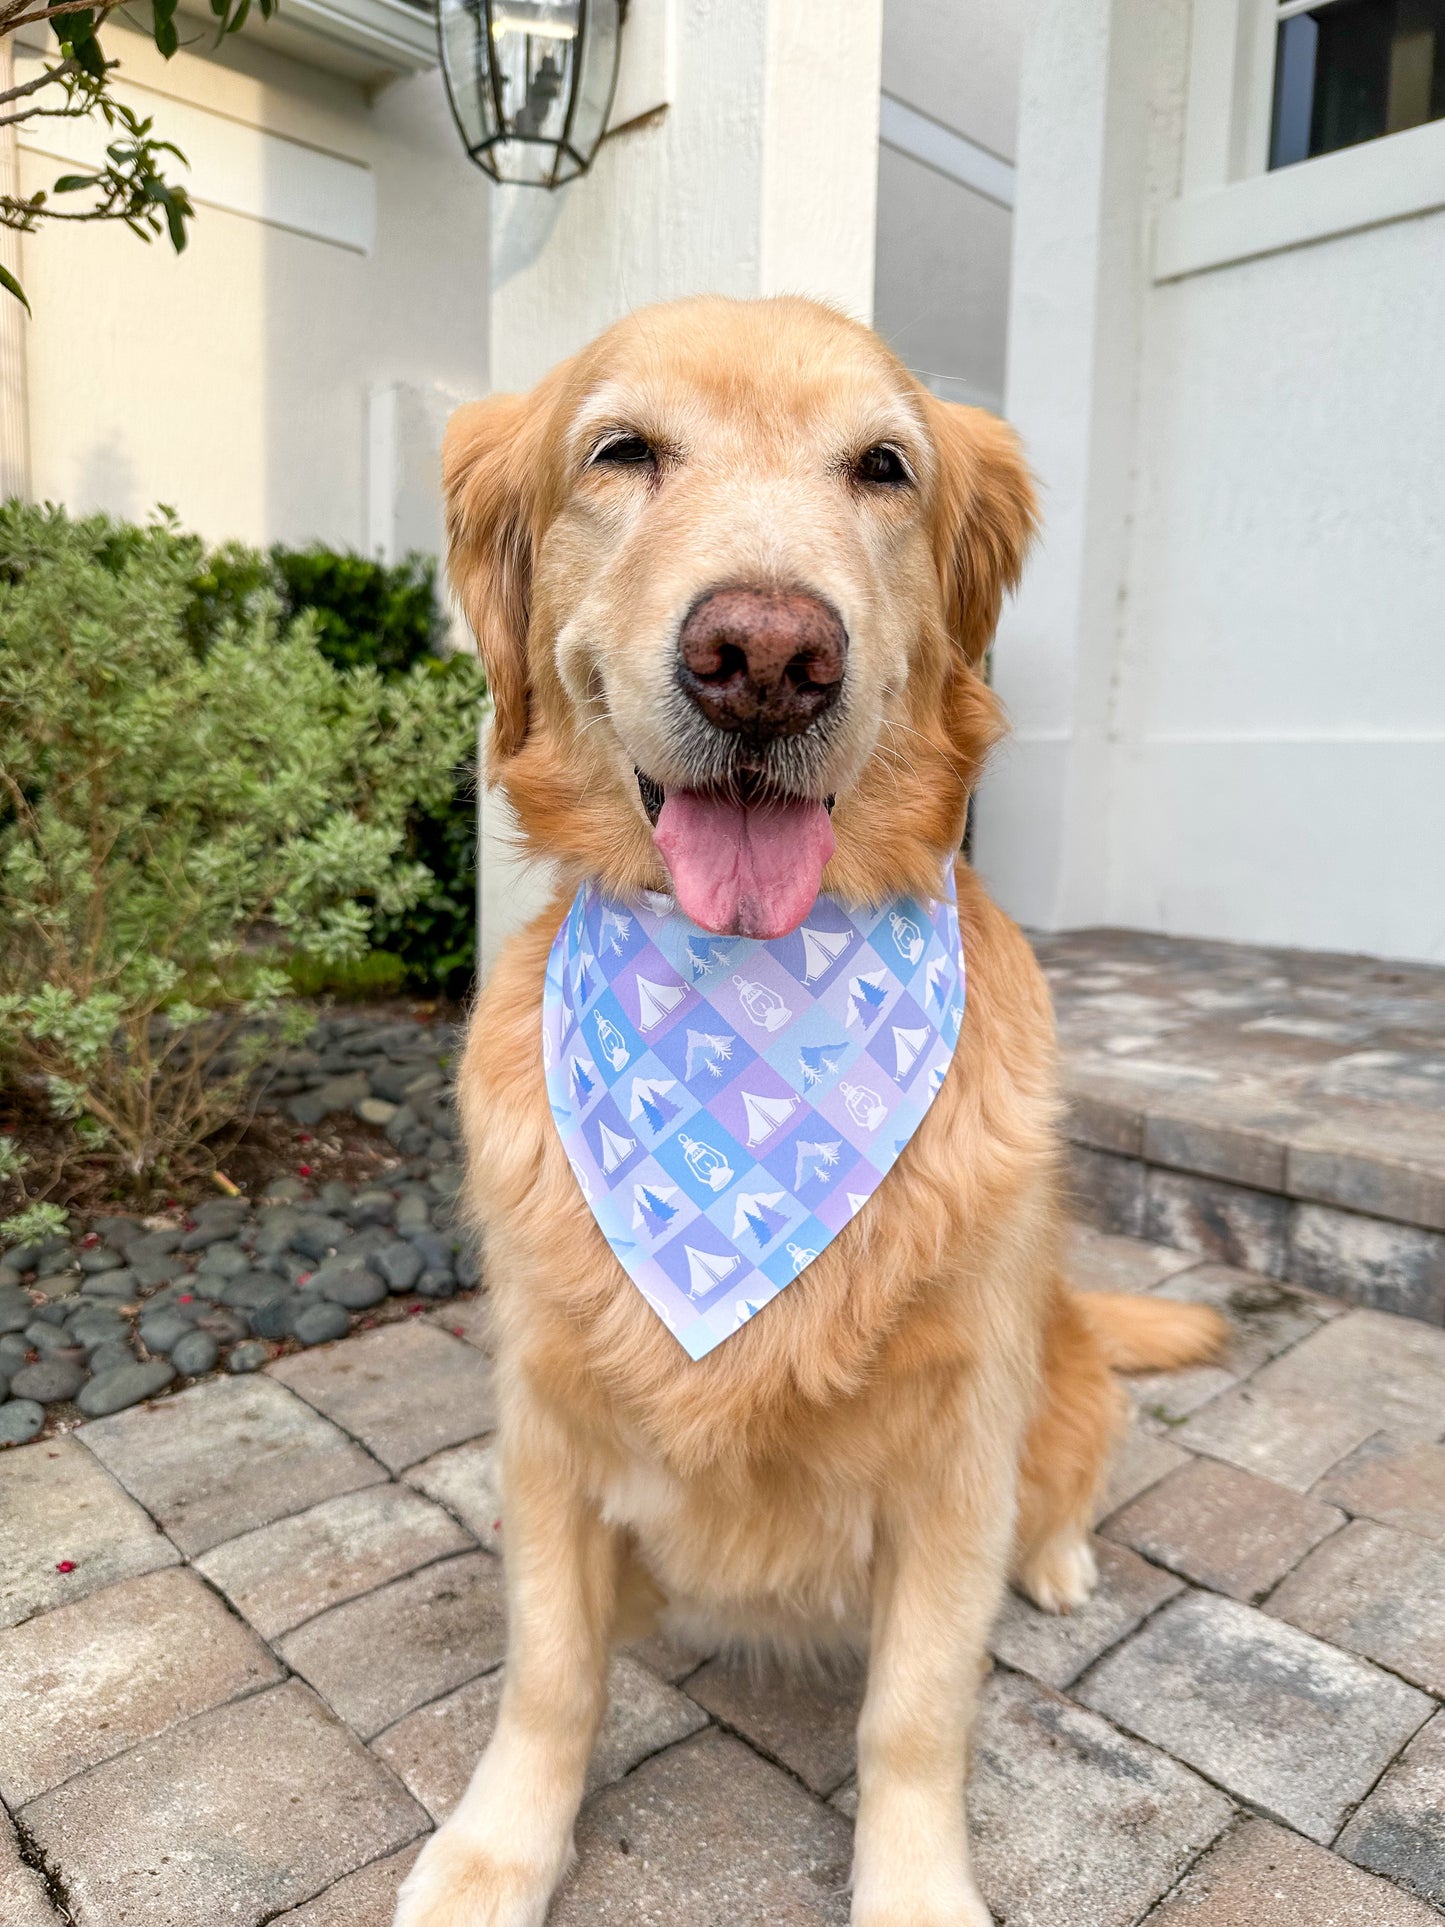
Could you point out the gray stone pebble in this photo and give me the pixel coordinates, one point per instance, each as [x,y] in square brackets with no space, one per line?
[375,1110]
[195,1354]
[225,1259]
[114,1284]
[436,1284]
[106,1357]
[93,1328]
[353,1286]
[126,1385]
[249,1356]
[163,1330]
[371,1207]
[317,1235]
[13,1351]
[52,1262]
[15,1311]
[20,1257]
[49,1339]
[100,1258]
[20,1420]
[227,1327]
[49,1382]
[283,1191]
[399,1265]
[320,1323]
[469,1266]
[413,1213]
[51,1313]
[273,1319]
[255,1289]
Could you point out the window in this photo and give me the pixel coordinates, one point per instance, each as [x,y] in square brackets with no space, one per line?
[1287,104]
[1351,70]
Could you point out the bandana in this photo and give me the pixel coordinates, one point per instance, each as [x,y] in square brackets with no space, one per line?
[728,1104]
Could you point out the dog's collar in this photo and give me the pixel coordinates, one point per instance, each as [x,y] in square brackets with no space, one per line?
[728,1104]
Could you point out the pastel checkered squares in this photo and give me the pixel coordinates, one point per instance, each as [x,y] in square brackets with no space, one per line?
[728,1104]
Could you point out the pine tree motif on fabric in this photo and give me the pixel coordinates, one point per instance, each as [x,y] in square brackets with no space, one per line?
[758,1091]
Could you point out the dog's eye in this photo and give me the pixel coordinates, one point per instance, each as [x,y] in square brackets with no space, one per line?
[882,465]
[625,451]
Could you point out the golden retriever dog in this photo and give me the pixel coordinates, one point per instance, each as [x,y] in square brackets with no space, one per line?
[733,573]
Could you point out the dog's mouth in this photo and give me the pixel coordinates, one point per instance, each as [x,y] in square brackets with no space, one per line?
[744,861]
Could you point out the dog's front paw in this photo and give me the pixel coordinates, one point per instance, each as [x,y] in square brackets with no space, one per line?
[964,1910]
[1060,1576]
[457,1884]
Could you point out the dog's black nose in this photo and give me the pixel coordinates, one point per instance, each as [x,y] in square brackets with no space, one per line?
[762,664]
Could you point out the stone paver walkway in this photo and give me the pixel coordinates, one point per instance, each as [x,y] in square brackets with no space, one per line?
[1278,1109]
[250,1638]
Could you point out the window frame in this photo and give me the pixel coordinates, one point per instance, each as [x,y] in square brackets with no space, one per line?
[1232,206]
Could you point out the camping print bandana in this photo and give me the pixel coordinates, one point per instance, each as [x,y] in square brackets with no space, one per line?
[727,1103]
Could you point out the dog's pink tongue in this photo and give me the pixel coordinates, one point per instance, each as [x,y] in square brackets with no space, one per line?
[743,870]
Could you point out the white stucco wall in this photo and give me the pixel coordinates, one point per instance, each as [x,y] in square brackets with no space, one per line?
[759,178]
[235,381]
[941,282]
[1225,671]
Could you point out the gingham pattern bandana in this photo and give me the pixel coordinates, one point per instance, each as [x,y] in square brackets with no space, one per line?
[728,1104]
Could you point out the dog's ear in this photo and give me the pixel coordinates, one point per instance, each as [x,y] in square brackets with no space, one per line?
[490,477]
[984,519]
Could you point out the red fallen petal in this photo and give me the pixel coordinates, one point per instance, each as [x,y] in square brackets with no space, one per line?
[186,1298]
[496,1525]
[65,1565]
[303,1170]
[413,1311]
[457,1332]
[302,1276]
[91,1240]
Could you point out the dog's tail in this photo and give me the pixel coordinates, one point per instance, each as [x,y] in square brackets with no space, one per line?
[1151,1334]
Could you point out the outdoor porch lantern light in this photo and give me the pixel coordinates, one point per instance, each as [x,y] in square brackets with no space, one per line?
[530,82]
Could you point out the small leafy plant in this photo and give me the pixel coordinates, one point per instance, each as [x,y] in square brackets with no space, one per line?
[176,824]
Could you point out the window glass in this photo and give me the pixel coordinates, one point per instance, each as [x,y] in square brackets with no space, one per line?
[1354,70]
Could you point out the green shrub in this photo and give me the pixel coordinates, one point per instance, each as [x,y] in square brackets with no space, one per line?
[384,617]
[176,824]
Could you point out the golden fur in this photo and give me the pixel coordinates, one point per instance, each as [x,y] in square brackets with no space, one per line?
[927,1406]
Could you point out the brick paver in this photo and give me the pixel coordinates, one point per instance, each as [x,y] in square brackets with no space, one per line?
[404,1391]
[1262,1876]
[464,1480]
[245,1811]
[1072,1822]
[366,1898]
[1400,1829]
[59,1508]
[1056,1647]
[707,1832]
[265,1739]
[23,1899]
[1376,1592]
[1224,1528]
[1400,1485]
[434,1750]
[282,1574]
[378,1657]
[1280,1719]
[89,1680]
[227,1456]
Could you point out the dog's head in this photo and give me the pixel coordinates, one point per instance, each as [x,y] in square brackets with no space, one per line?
[733,572]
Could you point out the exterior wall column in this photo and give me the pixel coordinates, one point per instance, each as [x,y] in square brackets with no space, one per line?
[759,177]
[1041,839]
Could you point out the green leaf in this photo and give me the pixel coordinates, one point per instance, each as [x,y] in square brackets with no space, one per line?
[12,286]
[238,19]
[71,183]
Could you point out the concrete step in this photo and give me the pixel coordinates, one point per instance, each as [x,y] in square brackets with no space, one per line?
[1278,1110]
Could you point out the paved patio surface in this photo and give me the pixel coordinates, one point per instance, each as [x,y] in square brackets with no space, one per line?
[1278,1109]
[251,1640]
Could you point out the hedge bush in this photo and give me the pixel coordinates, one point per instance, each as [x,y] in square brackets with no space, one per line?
[177,822]
[372,615]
